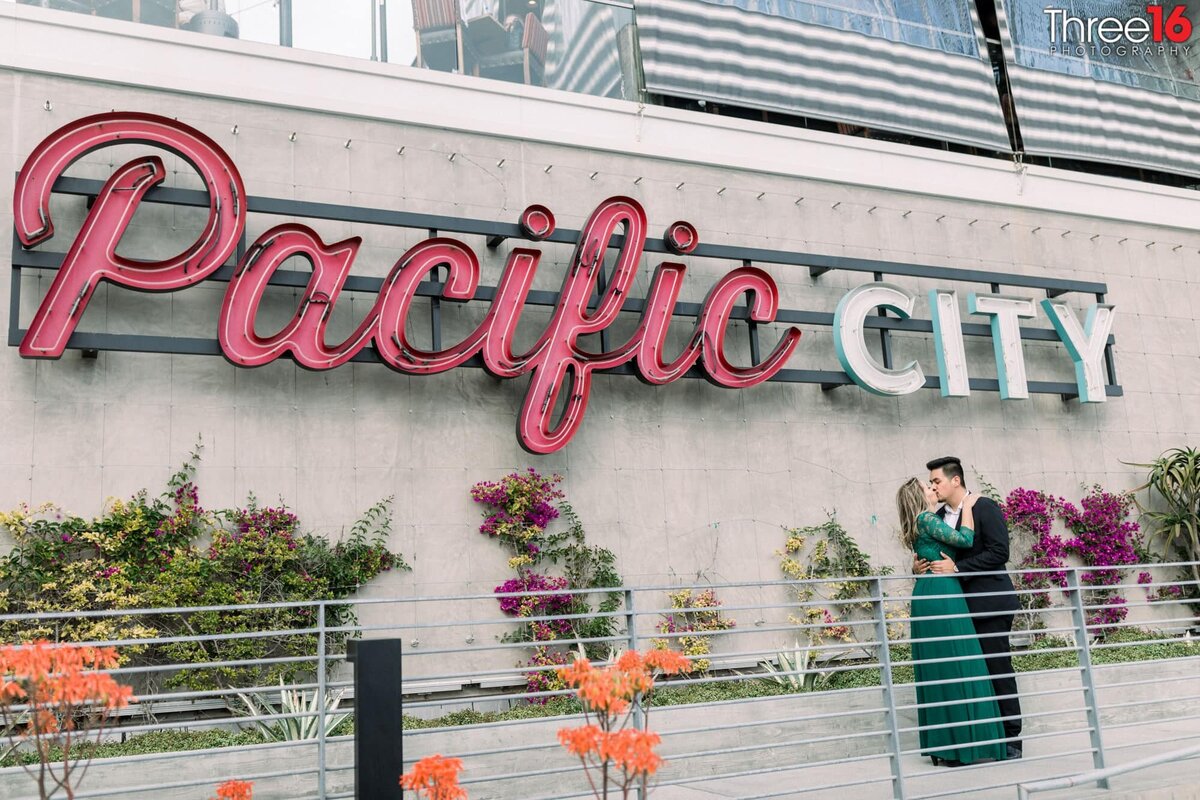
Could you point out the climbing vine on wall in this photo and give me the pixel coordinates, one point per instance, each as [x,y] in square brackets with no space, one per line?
[821,552]
[1100,534]
[519,510]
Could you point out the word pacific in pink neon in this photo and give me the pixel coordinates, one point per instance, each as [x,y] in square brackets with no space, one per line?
[555,362]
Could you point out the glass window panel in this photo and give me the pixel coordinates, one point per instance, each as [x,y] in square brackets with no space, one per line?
[573,45]
[258,20]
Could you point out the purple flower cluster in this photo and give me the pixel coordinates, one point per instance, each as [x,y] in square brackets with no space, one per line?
[522,503]
[1029,510]
[266,522]
[188,496]
[1112,613]
[1172,592]
[544,605]
[1103,537]
[1033,511]
[544,680]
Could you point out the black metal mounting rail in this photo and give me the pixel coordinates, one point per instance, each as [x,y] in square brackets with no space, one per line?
[497,232]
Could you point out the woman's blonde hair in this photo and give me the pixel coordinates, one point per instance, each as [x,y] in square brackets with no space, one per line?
[910,502]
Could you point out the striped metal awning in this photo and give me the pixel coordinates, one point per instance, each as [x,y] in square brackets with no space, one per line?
[583,54]
[1137,109]
[818,59]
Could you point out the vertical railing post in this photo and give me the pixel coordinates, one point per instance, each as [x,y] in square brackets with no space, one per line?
[374,30]
[285,23]
[322,691]
[1088,677]
[639,715]
[889,696]
[383,36]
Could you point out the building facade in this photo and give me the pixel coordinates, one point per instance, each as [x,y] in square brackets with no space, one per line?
[685,481]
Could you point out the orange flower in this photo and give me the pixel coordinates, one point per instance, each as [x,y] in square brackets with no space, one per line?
[51,676]
[68,698]
[580,741]
[574,673]
[631,750]
[631,661]
[435,777]
[669,662]
[235,790]
[626,754]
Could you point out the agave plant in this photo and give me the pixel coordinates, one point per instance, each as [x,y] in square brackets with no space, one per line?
[1175,478]
[305,705]
[796,670]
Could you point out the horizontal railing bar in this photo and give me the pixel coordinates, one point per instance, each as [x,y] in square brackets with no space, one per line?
[822,787]
[1026,789]
[751,748]
[1146,681]
[206,665]
[1149,701]
[207,781]
[439,651]
[1183,737]
[360,602]
[657,709]
[1004,784]
[1141,722]
[733,726]
[770,770]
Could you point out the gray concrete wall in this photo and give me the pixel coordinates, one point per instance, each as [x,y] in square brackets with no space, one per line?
[685,481]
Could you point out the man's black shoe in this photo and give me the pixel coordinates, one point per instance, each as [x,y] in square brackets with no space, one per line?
[1014,751]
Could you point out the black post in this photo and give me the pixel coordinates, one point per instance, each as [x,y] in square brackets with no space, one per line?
[378,729]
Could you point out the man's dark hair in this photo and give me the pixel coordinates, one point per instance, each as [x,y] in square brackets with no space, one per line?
[950,466]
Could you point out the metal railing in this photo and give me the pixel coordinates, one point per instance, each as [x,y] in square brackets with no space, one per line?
[836,709]
[1027,790]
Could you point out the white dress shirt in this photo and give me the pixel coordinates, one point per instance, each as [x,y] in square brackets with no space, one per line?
[952,514]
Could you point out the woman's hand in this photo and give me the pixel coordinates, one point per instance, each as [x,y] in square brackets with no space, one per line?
[970,500]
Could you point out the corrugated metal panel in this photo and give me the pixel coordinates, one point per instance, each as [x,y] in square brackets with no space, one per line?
[1133,110]
[759,58]
[583,55]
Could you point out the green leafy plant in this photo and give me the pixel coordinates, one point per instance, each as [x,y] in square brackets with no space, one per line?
[693,625]
[169,552]
[1174,478]
[796,670]
[519,510]
[587,567]
[826,551]
[301,710]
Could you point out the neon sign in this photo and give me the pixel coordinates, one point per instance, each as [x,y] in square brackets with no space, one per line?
[559,366]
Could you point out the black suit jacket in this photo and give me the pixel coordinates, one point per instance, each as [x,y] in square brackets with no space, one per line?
[988,553]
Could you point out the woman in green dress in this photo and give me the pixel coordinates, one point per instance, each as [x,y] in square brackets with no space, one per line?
[956,708]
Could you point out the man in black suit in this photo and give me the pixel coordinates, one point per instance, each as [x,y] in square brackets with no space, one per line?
[992,595]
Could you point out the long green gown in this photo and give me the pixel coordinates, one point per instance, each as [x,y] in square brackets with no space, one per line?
[967,691]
